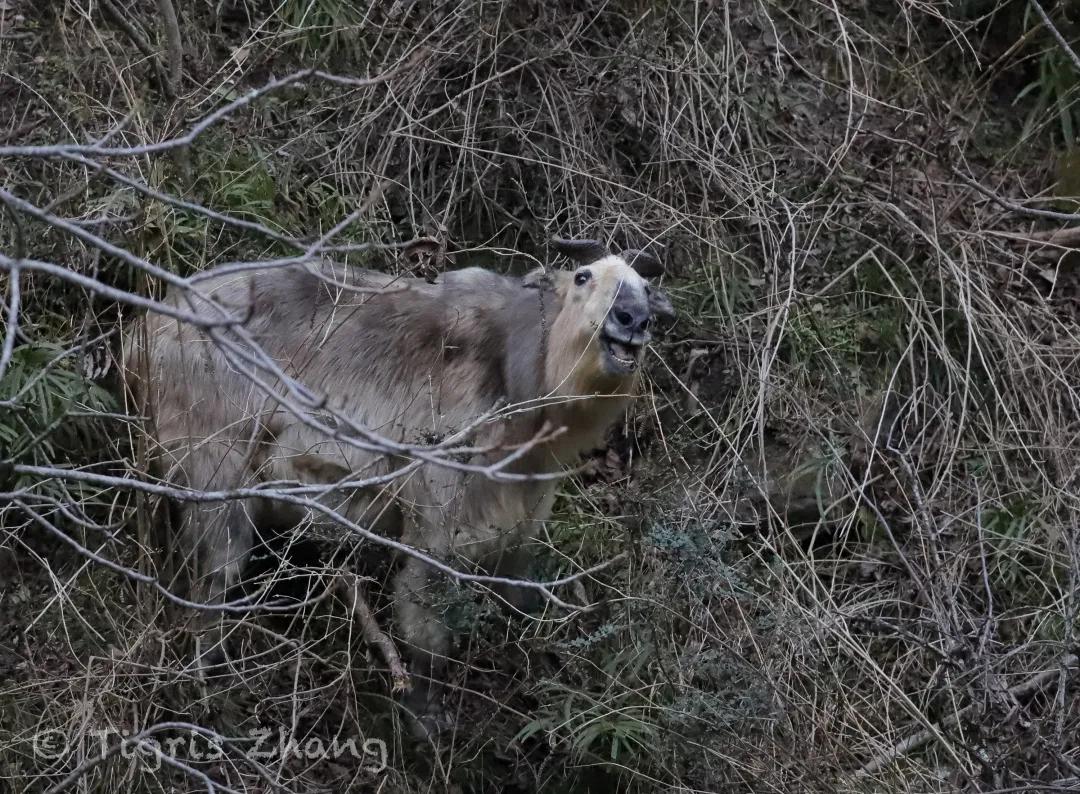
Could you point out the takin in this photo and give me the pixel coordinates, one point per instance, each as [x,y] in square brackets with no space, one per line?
[412,361]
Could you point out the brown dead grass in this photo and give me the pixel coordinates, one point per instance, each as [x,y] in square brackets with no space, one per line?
[849,497]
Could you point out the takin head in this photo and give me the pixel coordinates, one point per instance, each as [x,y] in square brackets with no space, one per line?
[606,309]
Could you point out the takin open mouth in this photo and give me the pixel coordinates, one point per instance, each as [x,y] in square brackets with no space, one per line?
[622,356]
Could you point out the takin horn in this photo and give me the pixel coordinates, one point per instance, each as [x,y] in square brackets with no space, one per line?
[583,251]
[647,265]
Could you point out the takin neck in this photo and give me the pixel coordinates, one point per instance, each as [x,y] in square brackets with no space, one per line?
[587,421]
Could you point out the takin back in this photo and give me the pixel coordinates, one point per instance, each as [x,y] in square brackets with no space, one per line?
[411,361]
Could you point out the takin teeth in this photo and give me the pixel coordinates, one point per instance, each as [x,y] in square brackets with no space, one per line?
[627,356]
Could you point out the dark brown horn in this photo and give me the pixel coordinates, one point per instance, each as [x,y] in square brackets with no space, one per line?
[647,265]
[581,251]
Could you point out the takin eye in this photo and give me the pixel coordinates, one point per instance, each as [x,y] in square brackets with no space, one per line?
[582,277]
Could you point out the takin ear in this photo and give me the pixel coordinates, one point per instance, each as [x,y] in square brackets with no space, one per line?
[584,252]
[659,305]
[538,278]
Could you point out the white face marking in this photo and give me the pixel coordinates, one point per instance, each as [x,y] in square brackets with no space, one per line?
[589,303]
[609,274]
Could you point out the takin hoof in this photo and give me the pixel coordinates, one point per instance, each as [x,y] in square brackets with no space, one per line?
[213,674]
[210,663]
[429,726]
[428,719]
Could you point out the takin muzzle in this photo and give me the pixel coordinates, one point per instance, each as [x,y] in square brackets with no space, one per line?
[633,304]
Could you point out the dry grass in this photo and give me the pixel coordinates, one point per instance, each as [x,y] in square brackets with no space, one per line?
[849,497]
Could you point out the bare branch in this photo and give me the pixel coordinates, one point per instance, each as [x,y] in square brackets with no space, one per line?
[315,507]
[374,636]
[139,740]
[1056,34]
[240,605]
[96,287]
[62,150]
[917,740]
[173,45]
[14,278]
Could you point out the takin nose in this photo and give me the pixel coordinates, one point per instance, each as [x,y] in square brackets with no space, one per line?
[630,319]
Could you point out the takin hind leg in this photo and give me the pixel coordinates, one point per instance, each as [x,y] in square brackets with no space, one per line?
[427,643]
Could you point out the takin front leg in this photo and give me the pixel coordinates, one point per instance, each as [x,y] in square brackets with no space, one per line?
[514,562]
[219,539]
[427,642]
